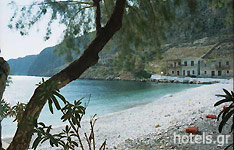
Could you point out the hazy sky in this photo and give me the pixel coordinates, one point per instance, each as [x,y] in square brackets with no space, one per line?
[13,45]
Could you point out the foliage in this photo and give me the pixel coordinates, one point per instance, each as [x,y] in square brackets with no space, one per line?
[17,111]
[48,91]
[226,113]
[69,137]
[7,111]
[4,109]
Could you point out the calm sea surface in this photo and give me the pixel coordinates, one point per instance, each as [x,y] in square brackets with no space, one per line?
[106,96]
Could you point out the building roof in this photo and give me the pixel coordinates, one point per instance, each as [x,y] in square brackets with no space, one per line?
[222,50]
[186,52]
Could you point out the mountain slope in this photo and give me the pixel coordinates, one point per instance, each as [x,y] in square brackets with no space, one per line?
[20,66]
[46,63]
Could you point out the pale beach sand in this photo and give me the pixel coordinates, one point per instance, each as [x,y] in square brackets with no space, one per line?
[180,108]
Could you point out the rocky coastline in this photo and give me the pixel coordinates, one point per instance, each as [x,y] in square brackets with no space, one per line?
[184,81]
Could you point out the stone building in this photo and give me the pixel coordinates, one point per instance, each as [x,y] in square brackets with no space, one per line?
[201,61]
[217,67]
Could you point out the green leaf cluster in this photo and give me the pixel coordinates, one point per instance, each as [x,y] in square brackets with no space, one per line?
[49,92]
[227,113]
[69,137]
[73,112]
[4,109]
[17,111]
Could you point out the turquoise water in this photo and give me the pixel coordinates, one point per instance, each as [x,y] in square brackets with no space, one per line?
[106,96]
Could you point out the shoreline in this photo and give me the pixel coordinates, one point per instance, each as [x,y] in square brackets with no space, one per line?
[157,79]
[135,122]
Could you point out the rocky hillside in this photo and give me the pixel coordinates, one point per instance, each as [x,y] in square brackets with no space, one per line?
[205,27]
[48,63]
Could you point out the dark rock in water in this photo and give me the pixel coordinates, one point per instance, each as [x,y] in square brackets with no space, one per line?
[191,82]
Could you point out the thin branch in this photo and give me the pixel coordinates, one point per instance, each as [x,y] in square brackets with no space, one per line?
[88,141]
[73,17]
[98,16]
[103,147]
[77,132]
[92,122]
[68,2]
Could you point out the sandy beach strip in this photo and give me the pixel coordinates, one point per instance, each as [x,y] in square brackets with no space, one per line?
[172,109]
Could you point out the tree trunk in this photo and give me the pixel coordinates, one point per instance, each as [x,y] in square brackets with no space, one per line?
[4,72]
[23,135]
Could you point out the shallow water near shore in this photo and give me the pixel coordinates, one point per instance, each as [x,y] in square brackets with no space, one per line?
[106,96]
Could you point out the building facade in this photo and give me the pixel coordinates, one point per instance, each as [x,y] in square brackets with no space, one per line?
[195,67]
[217,67]
[214,61]
[190,67]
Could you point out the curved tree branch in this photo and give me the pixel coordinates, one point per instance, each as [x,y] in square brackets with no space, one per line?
[89,58]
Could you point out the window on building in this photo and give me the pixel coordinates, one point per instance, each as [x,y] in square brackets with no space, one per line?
[204,72]
[219,64]
[178,73]
[192,63]
[174,64]
[212,73]
[183,72]
[193,72]
[227,71]
[188,73]
[227,63]
[185,63]
[219,73]
[172,72]
[205,65]
[179,63]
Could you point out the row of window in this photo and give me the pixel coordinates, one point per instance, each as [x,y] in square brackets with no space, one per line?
[188,72]
[192,64]
[220,64]
[186,64]
[193,73]
[219,73]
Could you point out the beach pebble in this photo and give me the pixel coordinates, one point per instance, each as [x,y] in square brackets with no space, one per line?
[157,125]
[192,130]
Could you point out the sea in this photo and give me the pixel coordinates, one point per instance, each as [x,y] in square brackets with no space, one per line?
[103,97]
